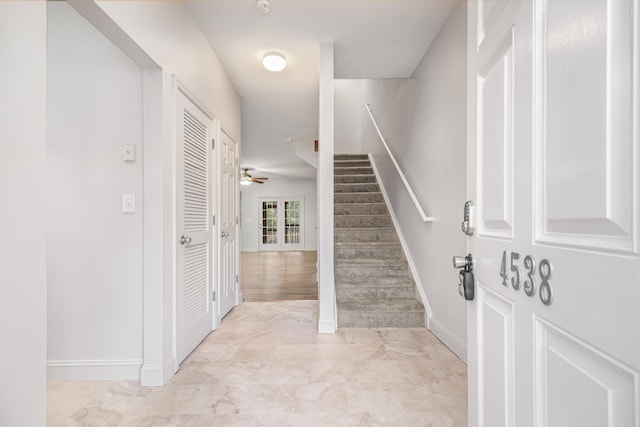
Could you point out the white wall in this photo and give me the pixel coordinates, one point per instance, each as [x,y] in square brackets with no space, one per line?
[23,287]
[170,35]
[94,251]
[167,32]
[349,94]
[424,122]
[278,187]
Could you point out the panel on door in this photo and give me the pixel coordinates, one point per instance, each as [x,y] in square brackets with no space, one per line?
[194,267]
[292,222]
[553,157]
[229,293]
[269,230]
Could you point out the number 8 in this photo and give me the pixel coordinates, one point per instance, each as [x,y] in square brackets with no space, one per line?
[546,294]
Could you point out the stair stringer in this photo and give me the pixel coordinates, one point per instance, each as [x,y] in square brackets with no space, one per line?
[428,313]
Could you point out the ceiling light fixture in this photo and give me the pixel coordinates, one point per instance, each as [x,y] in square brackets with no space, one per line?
[263,6]
[244,181]
[274,61]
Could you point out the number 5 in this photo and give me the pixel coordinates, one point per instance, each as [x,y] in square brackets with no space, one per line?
[515,281]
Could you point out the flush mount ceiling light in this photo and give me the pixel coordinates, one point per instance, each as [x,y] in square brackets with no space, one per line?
[274,61]
[263,6]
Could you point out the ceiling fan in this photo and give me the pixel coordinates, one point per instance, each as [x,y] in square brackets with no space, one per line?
[247,179]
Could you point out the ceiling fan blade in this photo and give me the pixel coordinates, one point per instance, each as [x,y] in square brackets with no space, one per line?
[264,179]
[256,180]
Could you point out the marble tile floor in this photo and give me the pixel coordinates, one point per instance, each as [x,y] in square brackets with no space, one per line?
[267,366]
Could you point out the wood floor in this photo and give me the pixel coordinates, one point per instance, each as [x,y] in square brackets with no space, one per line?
[279,276]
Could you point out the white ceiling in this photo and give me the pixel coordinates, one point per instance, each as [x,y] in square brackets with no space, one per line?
[372,39]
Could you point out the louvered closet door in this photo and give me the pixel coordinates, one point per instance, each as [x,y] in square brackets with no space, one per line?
[194,252]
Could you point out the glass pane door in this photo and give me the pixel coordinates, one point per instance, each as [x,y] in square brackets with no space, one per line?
[281,224]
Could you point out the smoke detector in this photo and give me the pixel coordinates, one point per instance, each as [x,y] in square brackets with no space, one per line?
[263,6]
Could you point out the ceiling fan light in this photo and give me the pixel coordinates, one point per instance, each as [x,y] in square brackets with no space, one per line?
[244,181]
[274,61]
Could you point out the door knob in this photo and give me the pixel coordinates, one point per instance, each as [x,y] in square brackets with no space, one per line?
[466,281]
[184,240]
[465,262]
[225,233]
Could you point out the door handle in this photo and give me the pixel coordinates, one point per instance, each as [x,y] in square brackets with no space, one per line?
[466,284]
[225,233]
[185,240]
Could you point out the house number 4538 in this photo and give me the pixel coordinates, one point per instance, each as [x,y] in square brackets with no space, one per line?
[527,278]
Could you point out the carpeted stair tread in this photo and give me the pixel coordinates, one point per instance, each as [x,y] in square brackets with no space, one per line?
[372,262]
[360,209]
[363,197]
[351,163]
[356,187]
[350,157]
[381,282]
[362,221]
[387,234]
[354,179]
[355,170]
[391,304]
[393,312]
[349,250]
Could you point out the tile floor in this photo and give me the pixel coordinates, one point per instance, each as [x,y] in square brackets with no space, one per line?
[267,366]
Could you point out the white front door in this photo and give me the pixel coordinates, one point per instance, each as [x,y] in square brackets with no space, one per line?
[281,223]
[228,265]
[553,157]
[194,213]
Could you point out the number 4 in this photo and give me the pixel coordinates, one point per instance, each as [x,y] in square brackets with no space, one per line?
[513,266]
[503,269]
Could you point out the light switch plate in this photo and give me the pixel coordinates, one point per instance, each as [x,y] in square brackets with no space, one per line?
[128,203]
[128,152]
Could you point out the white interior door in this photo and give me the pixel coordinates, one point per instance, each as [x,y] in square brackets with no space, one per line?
[553,153]
[194,213]
[281,223]
[229,206]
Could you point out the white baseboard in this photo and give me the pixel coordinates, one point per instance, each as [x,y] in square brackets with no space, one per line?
[451,340]
[155,375]
[327,327]
[93,370]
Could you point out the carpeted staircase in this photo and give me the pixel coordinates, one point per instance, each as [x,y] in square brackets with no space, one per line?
[373,286]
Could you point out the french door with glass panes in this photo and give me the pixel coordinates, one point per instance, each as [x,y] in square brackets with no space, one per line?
[281,224]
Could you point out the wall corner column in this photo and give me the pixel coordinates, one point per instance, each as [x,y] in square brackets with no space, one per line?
[327,318]
[159,363]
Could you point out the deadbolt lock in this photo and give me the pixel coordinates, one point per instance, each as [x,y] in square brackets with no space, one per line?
[468,222]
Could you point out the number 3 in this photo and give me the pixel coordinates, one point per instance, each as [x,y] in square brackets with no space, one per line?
[530,285]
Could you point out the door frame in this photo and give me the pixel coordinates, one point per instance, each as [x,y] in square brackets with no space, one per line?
[220,129]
